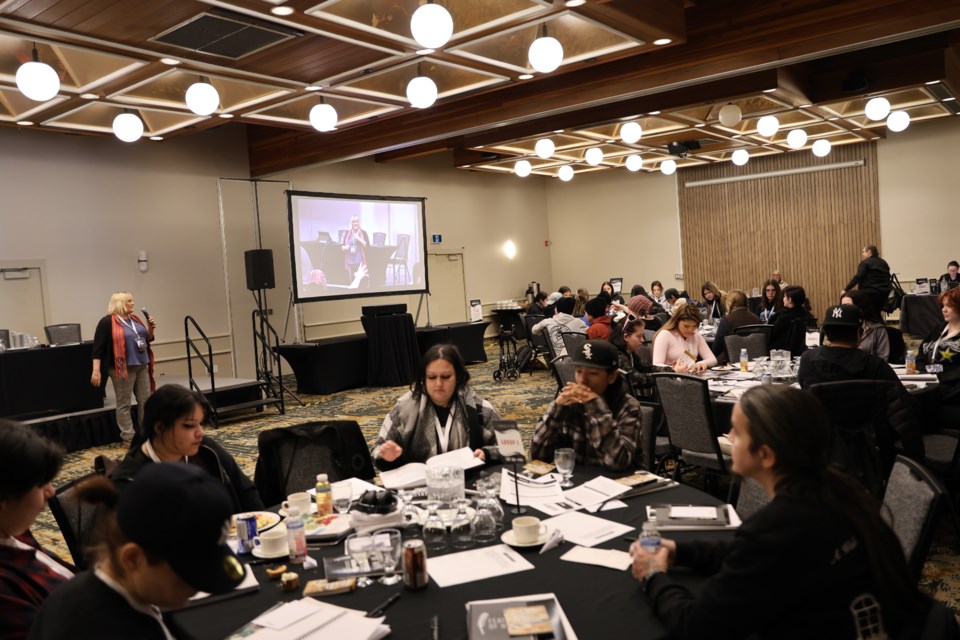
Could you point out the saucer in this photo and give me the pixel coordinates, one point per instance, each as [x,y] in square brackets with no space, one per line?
[313,509]
[258,553]
[510,539]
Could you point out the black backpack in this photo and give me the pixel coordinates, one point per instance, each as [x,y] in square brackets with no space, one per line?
[895,297]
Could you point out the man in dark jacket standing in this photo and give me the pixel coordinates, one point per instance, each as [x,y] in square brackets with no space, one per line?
[873,277]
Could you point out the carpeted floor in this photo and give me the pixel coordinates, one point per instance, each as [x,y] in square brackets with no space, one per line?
[523,400]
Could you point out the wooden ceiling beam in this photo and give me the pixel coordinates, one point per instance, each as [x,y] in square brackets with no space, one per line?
[645,20]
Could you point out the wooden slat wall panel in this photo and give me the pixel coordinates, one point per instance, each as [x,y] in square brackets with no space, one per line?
[811,226]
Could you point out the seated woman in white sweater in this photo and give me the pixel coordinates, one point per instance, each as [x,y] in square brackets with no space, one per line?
[678,344]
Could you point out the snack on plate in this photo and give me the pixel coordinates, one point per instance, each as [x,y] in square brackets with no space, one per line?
[289,581]
[539,467]
[327,588]
[276,571]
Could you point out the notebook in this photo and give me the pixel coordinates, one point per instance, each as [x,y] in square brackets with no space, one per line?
[312,619]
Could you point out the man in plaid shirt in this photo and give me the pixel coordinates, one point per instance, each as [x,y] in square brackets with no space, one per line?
[596,415]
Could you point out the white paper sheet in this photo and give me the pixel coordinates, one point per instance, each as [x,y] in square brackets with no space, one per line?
[285,615]
[702,513]
[532,490]
[584,529]
[609,558]
[476,564]
[358,486]
[589,495]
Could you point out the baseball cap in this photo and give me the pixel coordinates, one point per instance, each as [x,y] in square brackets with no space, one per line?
[180,513]
[596,354]
[640,305]
[842,315]
[553,297]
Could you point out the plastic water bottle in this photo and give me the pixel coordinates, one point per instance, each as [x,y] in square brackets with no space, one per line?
[650,539]
[911,362]
[324,496]
[296,536]
[744,360]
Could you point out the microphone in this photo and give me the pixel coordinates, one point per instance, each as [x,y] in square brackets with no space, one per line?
[146,314]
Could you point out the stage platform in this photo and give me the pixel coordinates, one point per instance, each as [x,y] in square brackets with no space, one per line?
[79,430]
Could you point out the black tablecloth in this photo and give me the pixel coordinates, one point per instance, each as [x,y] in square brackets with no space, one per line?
[392,352]
[600,603]
[47,380]
[328,365]
[466,336]
[919,315]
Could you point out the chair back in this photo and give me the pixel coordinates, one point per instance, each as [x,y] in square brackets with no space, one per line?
[912,504]
[754,343]
[749,329]
[75,518]
[656,447]
[403,243]
[68,333]
[686,406]
[379,238]
[291,457]
[751,497]
[898,348]
[5,337]
[862,443]
[564,371]
[572,340]
[540,342]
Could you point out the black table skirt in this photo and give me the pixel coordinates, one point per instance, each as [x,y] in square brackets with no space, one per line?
[920,315]
[47,380]
[392,352]
[599,602]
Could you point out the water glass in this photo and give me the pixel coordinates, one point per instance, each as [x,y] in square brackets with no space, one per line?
[445,484]
[434,531]
[387,542]
[565,460]
[360,547]
[342,493]
[491,493]
[410,514]
[484,524]
[461,530]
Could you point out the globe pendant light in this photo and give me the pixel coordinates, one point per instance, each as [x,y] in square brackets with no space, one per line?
[631,132]
[431,26]
[421,91]
[545,53]
[877,109]
[740,157]
[634,162]
[565,173]
[730,115]
[128,127]
[668,167]
[594,156]
[821,148]
[37,80]
[202,97]
[522,168]
[797,138]
[544,148]
[323,117]
[898,121]
[767,126]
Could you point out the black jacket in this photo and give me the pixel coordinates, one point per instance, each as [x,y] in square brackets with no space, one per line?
[784,334]
[211,457]
[873,275]
[739,317]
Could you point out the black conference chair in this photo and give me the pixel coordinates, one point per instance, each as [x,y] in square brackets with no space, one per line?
[749,329]
[291,457]
[5,338]
[655,436]
[898,348]
[398,261]
[912,503]
[754,343]
[572,340]
[68,333]
[75,518]
[540,342]
[751,497]
[379,238]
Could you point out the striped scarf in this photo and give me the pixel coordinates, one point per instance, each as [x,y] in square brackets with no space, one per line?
[120,350]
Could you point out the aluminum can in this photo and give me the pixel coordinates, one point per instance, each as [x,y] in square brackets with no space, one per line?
[246,532]
[415,574]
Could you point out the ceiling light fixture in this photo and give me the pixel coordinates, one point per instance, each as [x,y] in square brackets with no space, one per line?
[431,25]
[421,91]
[634,162]
[565,173]
[282,11]
[631,132]
[898,121]
[877,108]
[313,87]
[740,157]
[25,123]
[654,113]
[730,115]
[37,80]
[668,167]
[156,138]
[662,41]
[226,116]
[821,148]
[545,53]
[544,148]
[89,96]
[202,97]
[128,127]
[323,117]
[170,62]
[575,3]
[525,76]
[425,52]
[594,156]
[796,138]
[522,168]
[767,126]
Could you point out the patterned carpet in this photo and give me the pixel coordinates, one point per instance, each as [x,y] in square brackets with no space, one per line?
[523,400]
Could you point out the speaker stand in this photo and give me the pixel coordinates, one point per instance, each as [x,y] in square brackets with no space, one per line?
[419,304]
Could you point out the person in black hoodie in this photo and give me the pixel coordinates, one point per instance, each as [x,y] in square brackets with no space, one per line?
[872,276]
[172,427]
[787,332]
[738,315]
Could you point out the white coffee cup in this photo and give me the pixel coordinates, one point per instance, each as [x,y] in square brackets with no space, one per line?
[299,500]
[273,542]
[527,529]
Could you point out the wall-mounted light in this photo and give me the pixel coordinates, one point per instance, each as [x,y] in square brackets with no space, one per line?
[510,249]
[142,262]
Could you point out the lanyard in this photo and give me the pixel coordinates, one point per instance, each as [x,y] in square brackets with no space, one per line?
[443,433]
[133,326]
[152,453]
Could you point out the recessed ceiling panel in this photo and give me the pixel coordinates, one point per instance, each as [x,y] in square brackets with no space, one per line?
[297,111]
[170,88]
[451,79]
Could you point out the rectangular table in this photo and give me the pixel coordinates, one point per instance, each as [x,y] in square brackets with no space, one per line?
[920,315]
[47,380]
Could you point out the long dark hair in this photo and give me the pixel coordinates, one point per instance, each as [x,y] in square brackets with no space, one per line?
[446,352]
[777,303]
[795,426]
[629,325]
[798,297]
[165,406]
[27,460]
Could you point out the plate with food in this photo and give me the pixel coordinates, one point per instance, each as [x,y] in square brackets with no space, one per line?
[265,520]
[333,525]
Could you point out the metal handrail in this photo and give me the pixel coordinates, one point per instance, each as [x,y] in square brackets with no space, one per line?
[207,362]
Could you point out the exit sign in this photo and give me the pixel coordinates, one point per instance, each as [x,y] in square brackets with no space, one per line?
[436,238]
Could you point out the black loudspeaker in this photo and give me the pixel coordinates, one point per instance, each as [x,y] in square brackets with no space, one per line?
[259,269]
[384,309]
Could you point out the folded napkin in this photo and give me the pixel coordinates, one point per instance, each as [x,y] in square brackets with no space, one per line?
[367,522]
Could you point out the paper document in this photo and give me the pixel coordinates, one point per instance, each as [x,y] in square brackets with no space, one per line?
[694,517]
[358,485]
[532,490]
[584,529]
[310,618]
[701,513]
[609,558]
[414,474]
[476,564]
[589,495]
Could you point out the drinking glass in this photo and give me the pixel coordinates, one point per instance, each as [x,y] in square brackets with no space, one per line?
[445,484]
[410,515]
[565,460]
[434,531]
[460,529]
[484,524]
[492,492]
[359,546]
[387,541]
[342,493]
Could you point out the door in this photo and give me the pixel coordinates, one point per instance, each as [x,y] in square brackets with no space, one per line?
[448,297]
[21,301]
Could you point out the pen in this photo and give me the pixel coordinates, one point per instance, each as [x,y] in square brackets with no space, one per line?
[435,627]
[377,611]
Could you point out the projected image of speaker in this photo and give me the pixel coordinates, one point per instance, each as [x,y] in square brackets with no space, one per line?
[259,264]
